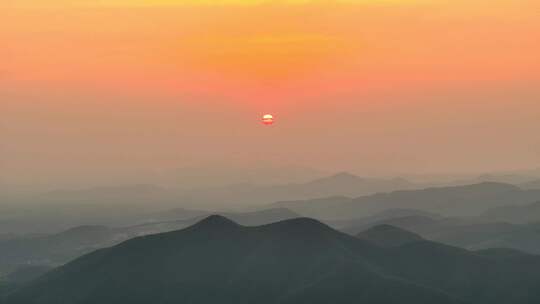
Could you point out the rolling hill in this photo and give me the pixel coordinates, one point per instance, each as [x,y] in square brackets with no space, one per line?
[468,233]
[293,261]
[59,248]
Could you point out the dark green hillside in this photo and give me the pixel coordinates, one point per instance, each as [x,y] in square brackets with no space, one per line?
[293,261]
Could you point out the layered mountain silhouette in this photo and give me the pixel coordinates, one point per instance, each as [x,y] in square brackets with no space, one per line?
[259,217]
[354,226]
[422,224]
[389,236]
[453,201]
[134,204]
[293,261]
[56,249]
[469,233]
[340,184]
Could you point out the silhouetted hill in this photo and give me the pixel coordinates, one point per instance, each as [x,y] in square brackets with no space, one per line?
[57,249]
[293,261]
[426,226]
[175,214]
[254,218]
[475,277]
[261,217]
[219,261]
[459,200]
[469,233]
[408,219]
[388,236]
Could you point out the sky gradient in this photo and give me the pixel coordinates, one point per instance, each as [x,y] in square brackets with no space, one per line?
[375,87]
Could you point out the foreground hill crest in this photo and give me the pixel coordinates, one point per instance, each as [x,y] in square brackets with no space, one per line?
[215,221]
[289,262]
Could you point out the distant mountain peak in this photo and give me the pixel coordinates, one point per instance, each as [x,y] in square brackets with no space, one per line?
[293,261]
[344,175]
[338,178]
[215,221]
[300,222]
[303,227]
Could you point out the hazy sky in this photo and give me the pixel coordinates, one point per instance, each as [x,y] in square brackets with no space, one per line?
[377,87]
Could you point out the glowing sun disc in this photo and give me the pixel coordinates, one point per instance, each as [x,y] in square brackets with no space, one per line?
[268,119]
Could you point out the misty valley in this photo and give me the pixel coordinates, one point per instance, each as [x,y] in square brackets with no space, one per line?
[334,239]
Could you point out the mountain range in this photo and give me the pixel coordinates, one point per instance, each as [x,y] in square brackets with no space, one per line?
[473,233]
[293,261]
[56,249]
[469,200]
[249,195]
[126,205]
[339,196]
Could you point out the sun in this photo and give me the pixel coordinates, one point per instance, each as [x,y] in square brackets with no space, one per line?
[268,119]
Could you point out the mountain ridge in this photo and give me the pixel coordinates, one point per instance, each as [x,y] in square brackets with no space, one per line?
[292,261]
[451,200]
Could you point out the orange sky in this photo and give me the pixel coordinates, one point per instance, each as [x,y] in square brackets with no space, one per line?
[245,49]
[288,57]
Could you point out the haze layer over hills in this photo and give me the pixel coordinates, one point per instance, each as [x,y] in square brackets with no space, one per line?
[399,239]
[468,200]
[294,261]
